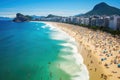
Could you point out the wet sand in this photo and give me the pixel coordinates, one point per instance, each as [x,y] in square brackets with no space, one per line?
[100,51]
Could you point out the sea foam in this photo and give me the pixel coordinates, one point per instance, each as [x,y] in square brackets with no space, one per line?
[73,64]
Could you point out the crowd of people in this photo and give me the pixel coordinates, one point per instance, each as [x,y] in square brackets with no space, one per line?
[104,46]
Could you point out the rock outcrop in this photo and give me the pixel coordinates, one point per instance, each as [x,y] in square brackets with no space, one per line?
[21,18]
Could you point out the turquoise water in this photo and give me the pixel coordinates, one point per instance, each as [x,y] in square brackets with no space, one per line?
[37,51]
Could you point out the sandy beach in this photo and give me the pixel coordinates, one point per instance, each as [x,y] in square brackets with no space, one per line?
[100,51]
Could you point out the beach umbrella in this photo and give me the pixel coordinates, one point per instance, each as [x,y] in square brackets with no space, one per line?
[118,65]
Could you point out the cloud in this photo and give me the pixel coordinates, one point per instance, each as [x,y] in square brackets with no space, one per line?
[7,14]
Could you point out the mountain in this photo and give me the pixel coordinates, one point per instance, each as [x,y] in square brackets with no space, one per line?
[51,16]
[22,18]
[36,17]
[78,15]
[103,9]
[5,18]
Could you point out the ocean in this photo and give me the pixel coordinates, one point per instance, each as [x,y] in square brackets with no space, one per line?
[38,51]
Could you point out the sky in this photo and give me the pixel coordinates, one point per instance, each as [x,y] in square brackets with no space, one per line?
[8,8]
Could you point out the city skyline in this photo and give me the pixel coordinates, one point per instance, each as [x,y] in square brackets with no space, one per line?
[43,8]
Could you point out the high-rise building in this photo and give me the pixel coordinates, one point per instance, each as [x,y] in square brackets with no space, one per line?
[114,22]
[118,23]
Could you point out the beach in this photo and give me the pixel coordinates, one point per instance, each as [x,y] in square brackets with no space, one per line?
[100,50]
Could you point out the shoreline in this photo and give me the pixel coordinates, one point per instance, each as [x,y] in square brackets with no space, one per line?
[78,58]
[91,51]
[80,67]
